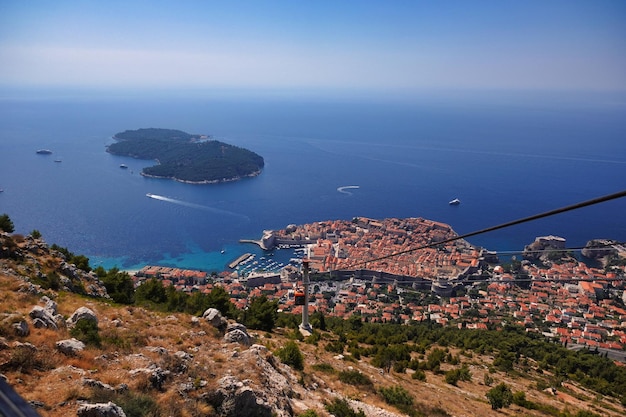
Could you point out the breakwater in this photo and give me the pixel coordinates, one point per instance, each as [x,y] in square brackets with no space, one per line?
[239,260]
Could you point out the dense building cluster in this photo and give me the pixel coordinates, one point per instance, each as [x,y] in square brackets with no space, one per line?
[348,245]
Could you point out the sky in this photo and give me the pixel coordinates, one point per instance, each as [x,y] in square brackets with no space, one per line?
[386,46]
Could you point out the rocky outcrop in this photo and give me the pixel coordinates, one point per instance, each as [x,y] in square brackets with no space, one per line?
[99,385]
[545,248]
[100,410]
[599,249]
[64,275]
[156,375]
[234,398]
[270,394]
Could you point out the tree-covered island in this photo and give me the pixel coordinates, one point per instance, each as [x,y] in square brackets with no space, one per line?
[185,157]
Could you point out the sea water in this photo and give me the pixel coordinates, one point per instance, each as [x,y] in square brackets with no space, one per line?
[505,157]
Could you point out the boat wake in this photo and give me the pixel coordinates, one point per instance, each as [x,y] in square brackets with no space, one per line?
[345,188]
[196,206]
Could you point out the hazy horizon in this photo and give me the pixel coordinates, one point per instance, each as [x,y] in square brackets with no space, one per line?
[280,47]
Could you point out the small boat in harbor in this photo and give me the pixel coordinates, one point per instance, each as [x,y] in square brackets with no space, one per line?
[44,151]
[455,202]
[123,166]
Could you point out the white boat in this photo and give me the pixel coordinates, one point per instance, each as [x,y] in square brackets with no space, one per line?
[455,202]
[44,151]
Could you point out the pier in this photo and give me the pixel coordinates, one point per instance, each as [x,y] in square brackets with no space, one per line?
[239,260]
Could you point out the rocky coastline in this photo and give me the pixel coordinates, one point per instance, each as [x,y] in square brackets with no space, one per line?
[220,181]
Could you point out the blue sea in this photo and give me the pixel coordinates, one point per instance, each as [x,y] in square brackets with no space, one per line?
[505,156]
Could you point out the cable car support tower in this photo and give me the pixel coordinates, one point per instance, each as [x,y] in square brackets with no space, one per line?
[305,326]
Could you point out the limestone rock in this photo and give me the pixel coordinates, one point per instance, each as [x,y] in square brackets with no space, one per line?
[243,403]
[156,375]
[94,383]
[236,326]
[234,397]
[21,328]
[238,336]
[215,318]
[70,347]
[100,410]
[50,305]
[43,318]
[82,313]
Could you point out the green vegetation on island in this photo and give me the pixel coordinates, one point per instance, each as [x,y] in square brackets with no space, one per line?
[185,157]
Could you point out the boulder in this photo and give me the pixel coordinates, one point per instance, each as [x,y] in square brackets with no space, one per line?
[80,314]
[43,317]
[70,347]
[183,355]
[237,336]
[236,326]
[94,383]
[215,318]
[21,328]
[100,410]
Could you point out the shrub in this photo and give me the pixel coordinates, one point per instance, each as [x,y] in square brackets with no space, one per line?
[355,378]
[87,332]
[25,359]
[452,376]
[6,224]
[419,375]
[396,396]
[134,405]
[261,314]
[340,408]
[499,396]
[455,375]
[324,367]
[290,355]
[488,380]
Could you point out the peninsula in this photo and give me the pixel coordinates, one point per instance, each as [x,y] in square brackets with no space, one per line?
[184,157]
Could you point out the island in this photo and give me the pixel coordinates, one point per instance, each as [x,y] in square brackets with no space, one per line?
[184,157]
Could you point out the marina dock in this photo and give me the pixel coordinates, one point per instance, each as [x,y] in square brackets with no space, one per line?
[239,260]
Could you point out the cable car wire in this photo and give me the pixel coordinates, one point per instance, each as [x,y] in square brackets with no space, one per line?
[538,216]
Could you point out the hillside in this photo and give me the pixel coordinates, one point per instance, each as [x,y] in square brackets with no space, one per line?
[155,363]
[185,157]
